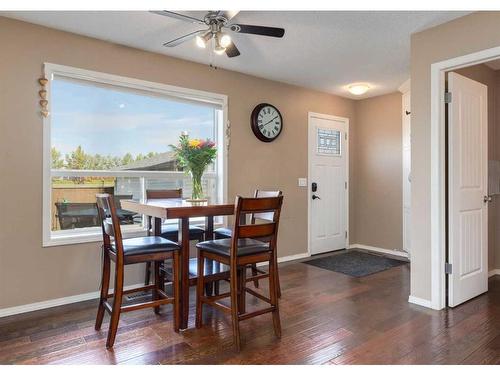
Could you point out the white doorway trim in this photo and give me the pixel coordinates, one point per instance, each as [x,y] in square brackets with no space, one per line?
[438,200]
[346,121]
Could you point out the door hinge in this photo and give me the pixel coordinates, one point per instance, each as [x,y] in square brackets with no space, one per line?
[345,134]
[346,234]
[346,185]
[448,268]
[447,97]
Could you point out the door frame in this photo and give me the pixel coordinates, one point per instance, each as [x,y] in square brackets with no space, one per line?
[345,120]
[438,166]
[405,89]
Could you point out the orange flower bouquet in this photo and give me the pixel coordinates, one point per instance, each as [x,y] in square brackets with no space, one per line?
[194,155]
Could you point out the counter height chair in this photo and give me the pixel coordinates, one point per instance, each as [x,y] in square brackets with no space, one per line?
[222,233]
[130,251]
[170,231]
[249,244]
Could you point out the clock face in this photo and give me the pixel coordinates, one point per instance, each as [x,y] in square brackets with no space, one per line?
[266,122]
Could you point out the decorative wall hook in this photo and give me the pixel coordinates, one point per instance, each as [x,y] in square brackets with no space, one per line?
[228,134]
[43,96]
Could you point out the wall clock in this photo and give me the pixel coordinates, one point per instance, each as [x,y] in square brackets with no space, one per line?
[266,122]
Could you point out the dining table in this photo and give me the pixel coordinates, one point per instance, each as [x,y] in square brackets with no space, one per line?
[182,210]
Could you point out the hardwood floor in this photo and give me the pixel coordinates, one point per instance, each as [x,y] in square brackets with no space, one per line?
[327,318]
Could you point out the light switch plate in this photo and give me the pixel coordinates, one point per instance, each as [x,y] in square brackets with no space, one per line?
[302,182]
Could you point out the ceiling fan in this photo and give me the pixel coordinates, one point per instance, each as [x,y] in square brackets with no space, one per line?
[218,22]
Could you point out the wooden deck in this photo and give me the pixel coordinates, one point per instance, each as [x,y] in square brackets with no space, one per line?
[339,320]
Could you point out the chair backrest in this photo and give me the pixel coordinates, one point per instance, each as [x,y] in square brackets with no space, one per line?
[264,194]
[267,230]
[110,223]
[163,194]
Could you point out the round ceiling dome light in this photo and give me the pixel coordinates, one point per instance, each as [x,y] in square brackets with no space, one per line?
[358,88]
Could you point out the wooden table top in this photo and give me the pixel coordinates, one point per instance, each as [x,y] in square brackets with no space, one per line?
[176,208]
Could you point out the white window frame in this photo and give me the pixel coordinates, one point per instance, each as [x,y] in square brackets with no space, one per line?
[82,235]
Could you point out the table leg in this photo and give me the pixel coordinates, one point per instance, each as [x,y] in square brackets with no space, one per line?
[184,268]
[209,228]
[148,264]
[209,235]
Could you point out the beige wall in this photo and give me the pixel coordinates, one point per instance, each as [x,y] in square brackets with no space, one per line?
[30,273]
[378,172]
[465,35]
[484,74]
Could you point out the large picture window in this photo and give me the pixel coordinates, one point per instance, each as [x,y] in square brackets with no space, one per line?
[113,134]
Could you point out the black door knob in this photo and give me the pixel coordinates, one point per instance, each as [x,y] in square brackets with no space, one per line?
[315,197]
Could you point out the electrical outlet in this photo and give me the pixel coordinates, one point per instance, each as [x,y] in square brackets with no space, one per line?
[302,182]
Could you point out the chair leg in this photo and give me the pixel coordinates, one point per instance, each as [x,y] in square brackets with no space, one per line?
[278,286]
[117,303]
[273,291]
[176,290]
[242,283]
[104,290]
[147,277]
[200,288]
[234,307]
[255,273]
[157,285]
[209,287]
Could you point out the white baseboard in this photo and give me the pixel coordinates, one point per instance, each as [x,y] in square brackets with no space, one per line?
[379,250]
[494,272]
[93,295]
[289,258]
[420,301]
[56,302]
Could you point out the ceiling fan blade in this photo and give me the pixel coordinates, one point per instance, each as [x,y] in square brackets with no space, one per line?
[228,14]
[182,39]
[276,32]
[232,51]
[178,16]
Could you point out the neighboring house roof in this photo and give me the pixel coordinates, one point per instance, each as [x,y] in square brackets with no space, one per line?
[161,162]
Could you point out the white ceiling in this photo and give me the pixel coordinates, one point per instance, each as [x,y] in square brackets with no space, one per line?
[323,50]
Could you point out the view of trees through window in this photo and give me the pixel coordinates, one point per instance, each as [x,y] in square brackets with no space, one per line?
[125,132]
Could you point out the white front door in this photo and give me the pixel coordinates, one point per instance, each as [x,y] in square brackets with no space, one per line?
[467,188]
[327,191]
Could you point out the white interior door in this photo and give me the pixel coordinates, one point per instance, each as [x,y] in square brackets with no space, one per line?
[406,131]
[467,188]
[328,156]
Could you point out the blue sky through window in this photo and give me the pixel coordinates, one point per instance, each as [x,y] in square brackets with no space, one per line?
[109,121]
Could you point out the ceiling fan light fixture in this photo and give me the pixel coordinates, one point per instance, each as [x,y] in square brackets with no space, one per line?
[202,40]
[358,88]
[219,49]
[224,40]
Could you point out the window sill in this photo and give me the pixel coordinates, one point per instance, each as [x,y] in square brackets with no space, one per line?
[96,236]
[86,237]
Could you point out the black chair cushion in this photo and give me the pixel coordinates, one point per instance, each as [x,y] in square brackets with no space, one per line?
[147,245]
[246,246]
[173,229]
[223,233]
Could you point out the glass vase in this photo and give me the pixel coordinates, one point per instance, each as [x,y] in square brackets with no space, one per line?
[197,192]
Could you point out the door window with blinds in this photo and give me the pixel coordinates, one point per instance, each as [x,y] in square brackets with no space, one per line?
[110,134]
